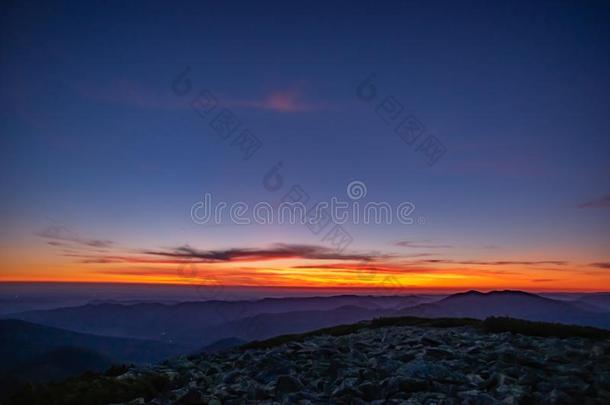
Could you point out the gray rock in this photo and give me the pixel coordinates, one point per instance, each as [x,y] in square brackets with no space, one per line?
[393,365]
[192,397]
[286,384]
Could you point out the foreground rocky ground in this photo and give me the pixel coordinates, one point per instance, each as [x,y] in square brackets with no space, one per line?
[377,362]
[396,365]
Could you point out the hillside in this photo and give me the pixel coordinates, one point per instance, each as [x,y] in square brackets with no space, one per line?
[515,304]
[388,360]
[34,353]
[264,326]
[598,300]
[198,323]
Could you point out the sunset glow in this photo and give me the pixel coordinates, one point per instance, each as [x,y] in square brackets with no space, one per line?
[498,163]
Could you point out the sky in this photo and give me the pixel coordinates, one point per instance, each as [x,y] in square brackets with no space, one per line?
[490,119]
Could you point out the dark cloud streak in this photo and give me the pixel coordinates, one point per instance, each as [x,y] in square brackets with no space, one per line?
[59,233]
[602,202]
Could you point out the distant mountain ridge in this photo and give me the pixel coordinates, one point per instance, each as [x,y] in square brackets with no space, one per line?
[197,323]
[37,353]
[22,342]
[598,300]
[69,340]
[515,304]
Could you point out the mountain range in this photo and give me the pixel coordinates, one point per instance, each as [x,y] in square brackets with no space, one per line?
[65,341]
[198,323]
[37,353]
[514,304]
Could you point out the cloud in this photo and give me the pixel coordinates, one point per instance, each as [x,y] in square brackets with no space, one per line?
[129,93]
[101,260]
[188,254]
[291,100]
[602,202]
[134,94]
[276,251]
[351,262]
[59,233]
[417,245]
[395,269]
[495,263]
[603,265]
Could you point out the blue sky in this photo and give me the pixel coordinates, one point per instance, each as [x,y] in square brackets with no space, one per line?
[94,138]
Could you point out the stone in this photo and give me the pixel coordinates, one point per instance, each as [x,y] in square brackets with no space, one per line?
[287,384]
[192,397]
[410,365]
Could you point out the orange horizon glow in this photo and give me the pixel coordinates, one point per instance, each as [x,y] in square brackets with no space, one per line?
[438,278]
[284,266]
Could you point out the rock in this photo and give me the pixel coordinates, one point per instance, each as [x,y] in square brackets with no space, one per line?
[410,365]
[559,397]
[192,397]
[137,401]
[597,351]
[435,353]
[346,391]
[476,397]
[231,377]
[407,384]
[369,391]
[475,379]
[429,341]
[421,369]
[286,384]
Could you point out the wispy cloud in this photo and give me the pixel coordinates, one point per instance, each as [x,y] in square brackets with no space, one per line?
[602,202]
[276,251]
[420,245]
[603,265]
[127,93]
[57,234]
[395,269]
[496,262]
[289,100]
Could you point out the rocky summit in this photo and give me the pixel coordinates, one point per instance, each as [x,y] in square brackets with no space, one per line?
[393,365]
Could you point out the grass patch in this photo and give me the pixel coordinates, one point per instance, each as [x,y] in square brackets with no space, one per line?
[542,329]
[342,330]
[489,325]
[430,322]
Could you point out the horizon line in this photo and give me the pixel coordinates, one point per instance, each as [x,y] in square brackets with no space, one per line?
[389,290]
